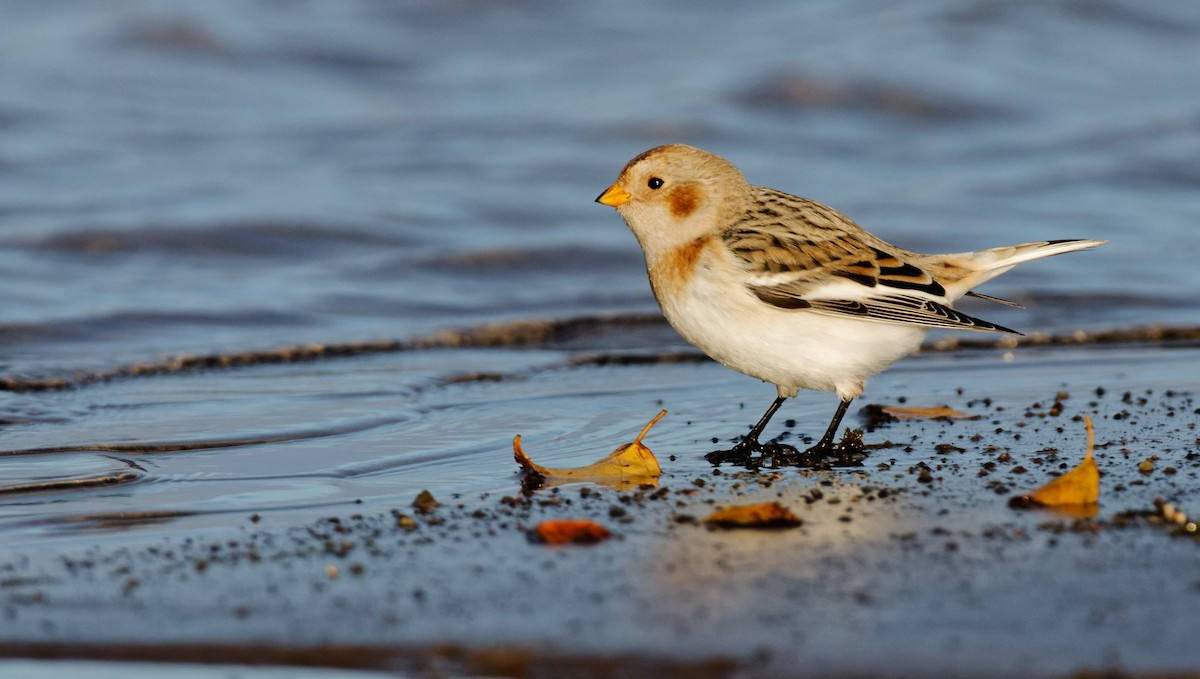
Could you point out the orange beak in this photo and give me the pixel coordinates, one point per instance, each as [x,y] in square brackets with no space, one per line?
[614,196]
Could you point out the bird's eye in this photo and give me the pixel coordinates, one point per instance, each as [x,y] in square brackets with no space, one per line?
[655,183]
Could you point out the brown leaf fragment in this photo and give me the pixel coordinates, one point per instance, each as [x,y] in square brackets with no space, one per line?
[424,502]
[927,413]
[876,415]
[632,461]
[1080,486]
[761,515]
[569,531]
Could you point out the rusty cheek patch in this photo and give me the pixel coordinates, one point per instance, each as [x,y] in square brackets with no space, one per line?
[671,273]
[684,200]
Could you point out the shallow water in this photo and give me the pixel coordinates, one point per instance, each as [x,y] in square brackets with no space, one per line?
[181,178]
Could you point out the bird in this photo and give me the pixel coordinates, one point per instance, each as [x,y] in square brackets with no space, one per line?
[788,290]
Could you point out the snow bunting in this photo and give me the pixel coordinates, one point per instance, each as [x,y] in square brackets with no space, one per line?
[786,289]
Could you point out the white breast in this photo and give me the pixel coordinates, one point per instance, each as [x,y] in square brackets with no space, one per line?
[793,349]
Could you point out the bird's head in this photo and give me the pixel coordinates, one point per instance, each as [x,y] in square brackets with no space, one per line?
[671,195]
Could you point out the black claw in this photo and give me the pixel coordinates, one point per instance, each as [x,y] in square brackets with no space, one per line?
[752,455]
[740,454]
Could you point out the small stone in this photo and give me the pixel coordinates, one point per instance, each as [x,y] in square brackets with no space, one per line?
[1168,511]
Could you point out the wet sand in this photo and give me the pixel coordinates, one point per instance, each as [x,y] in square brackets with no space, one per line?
[911,565]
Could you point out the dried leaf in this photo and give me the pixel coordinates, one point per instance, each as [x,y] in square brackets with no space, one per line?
[425,502]
[569,531]
[630,462]
[929,413]
[762,515]
[1080,486]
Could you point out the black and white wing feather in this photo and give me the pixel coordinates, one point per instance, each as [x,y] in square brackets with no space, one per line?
[801,255]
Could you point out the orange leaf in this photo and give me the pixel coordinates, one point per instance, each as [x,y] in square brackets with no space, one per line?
[564,531]
[1080,486]
[632,461]
[763,515]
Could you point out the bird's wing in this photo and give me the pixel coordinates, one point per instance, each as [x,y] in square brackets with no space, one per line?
[898,308]
[792,241]
[798,254]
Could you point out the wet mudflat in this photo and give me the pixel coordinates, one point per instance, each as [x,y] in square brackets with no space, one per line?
[911,565]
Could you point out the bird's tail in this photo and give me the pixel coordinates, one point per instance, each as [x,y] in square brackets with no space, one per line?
[981,266]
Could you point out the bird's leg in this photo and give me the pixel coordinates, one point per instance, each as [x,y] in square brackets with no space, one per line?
[751,439]
[743,453]
[825,445]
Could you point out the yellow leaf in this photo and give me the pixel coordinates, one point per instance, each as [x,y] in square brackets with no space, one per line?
[564,531]
[762,515]
[631,462]
[1080,486]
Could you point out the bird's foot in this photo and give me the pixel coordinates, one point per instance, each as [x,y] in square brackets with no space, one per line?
[751,454]
[745,453]
[848,452]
